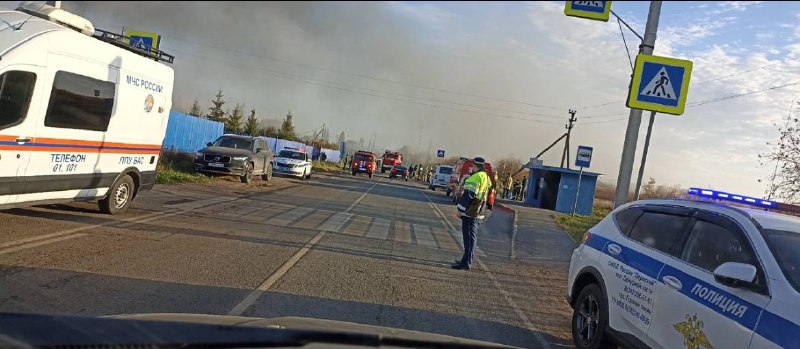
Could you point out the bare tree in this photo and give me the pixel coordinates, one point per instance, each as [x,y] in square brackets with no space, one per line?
[785,155]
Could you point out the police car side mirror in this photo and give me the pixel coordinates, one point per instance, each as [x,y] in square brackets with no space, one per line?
[258,150]
[735,274]
[209,144]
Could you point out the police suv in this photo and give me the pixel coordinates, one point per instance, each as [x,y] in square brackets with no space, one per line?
[292,162]
[688,274]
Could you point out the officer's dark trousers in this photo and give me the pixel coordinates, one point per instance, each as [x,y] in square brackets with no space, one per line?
[469,231]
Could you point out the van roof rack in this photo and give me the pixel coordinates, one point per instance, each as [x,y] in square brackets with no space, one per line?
[120,41]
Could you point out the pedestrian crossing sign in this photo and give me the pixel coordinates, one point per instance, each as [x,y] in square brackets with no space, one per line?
[660,84]
[596,10]
[143,40]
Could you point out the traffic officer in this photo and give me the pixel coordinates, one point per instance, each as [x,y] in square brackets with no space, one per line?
[470,209]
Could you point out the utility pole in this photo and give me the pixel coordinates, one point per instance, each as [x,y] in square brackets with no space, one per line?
[635,117]
[569,127]
[644,155]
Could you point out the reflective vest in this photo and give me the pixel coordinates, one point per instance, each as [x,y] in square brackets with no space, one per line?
[479,183]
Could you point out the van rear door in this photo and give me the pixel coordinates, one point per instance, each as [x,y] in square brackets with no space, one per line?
[20,100]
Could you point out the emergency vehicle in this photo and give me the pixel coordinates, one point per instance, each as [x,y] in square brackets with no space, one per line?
[390,160]
[293,162]
[363,162]
[83,113]
[441,177]
[461,171]
[680,273]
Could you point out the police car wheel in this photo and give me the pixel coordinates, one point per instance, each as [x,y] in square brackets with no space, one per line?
[247,176]
[590,319]
[303,177]
[119,196]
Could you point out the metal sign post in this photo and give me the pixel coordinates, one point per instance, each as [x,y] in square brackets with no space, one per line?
[577,192]
[583,158]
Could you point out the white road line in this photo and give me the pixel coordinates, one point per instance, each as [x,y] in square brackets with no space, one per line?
[336,222]
[251,298]
[525,320]
[192,205]
[289,217]
[244,210]
[424,235]
[40,243]
[379,229]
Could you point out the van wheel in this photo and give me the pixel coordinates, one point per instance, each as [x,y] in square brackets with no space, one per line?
[247,176]
[119,196]
[308,176]
[590,319]
[447,193]
[267,176]
[354,173]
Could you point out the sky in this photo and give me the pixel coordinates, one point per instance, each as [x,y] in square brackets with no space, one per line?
[494,79]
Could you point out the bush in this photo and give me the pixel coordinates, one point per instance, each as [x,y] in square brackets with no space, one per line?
[577,225]
[324,166]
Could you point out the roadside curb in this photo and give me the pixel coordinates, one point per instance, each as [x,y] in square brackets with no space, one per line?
[514,227]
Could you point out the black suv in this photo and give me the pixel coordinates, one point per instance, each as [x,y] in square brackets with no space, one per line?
[242,156]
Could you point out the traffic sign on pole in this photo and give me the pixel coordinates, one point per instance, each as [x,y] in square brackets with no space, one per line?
[660,84]
[596,10]
[440,153]
[583,158]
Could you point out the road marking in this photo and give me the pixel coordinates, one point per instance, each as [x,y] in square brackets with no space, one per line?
[402,232]
[424,236]
[289,217]
[445,240]
[358,226]
[40,243]
[251,298]
[380,229]
[312,221]
[244,210]
[35,241]
[525,320]
[201,203]
[336,222]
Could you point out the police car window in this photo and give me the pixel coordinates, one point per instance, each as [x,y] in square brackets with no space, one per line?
[658,230]
[291,155]
[785,246]
[626,218]
[80,102]
[16,89]
[709,245]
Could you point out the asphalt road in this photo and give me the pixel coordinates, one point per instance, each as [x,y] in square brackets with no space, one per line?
[372,251]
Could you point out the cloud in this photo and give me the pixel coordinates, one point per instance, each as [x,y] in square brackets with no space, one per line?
[429,14]
[735,6]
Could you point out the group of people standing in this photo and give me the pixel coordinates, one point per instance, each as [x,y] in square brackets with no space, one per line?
[511,189]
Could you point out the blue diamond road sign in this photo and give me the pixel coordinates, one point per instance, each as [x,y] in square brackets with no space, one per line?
[440,153]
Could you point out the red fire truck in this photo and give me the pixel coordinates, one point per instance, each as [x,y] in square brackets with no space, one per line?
[390,160]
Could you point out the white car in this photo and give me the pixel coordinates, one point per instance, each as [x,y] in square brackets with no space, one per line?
[688,274]
[292,162]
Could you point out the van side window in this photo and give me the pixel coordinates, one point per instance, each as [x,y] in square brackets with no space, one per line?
[658,230]
[16,89]
[80,102]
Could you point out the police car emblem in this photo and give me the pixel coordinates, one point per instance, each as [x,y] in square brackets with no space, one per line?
[693,335]
[148,103]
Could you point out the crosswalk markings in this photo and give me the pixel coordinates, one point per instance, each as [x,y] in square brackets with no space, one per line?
[445,240]
[358,226]
[289,217]
[336,222]
[379,229]
[244,210]
[313,220]
[192,205]
[424,235]
[402,232]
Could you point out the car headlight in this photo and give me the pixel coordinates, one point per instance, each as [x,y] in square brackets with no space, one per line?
[239,158]
[198,155]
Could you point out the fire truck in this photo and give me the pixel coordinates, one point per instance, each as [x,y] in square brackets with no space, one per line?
[391,159]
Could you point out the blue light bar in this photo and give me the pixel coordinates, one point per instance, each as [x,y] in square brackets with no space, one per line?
[719,195]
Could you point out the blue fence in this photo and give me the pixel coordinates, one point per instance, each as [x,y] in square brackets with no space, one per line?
[189,134]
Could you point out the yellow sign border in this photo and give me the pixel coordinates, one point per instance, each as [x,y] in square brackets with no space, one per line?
[569,11]
[637,81]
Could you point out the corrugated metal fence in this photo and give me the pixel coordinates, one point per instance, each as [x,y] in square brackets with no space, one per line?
[189,134]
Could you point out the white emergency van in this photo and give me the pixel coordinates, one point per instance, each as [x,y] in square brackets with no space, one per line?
[82,114]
